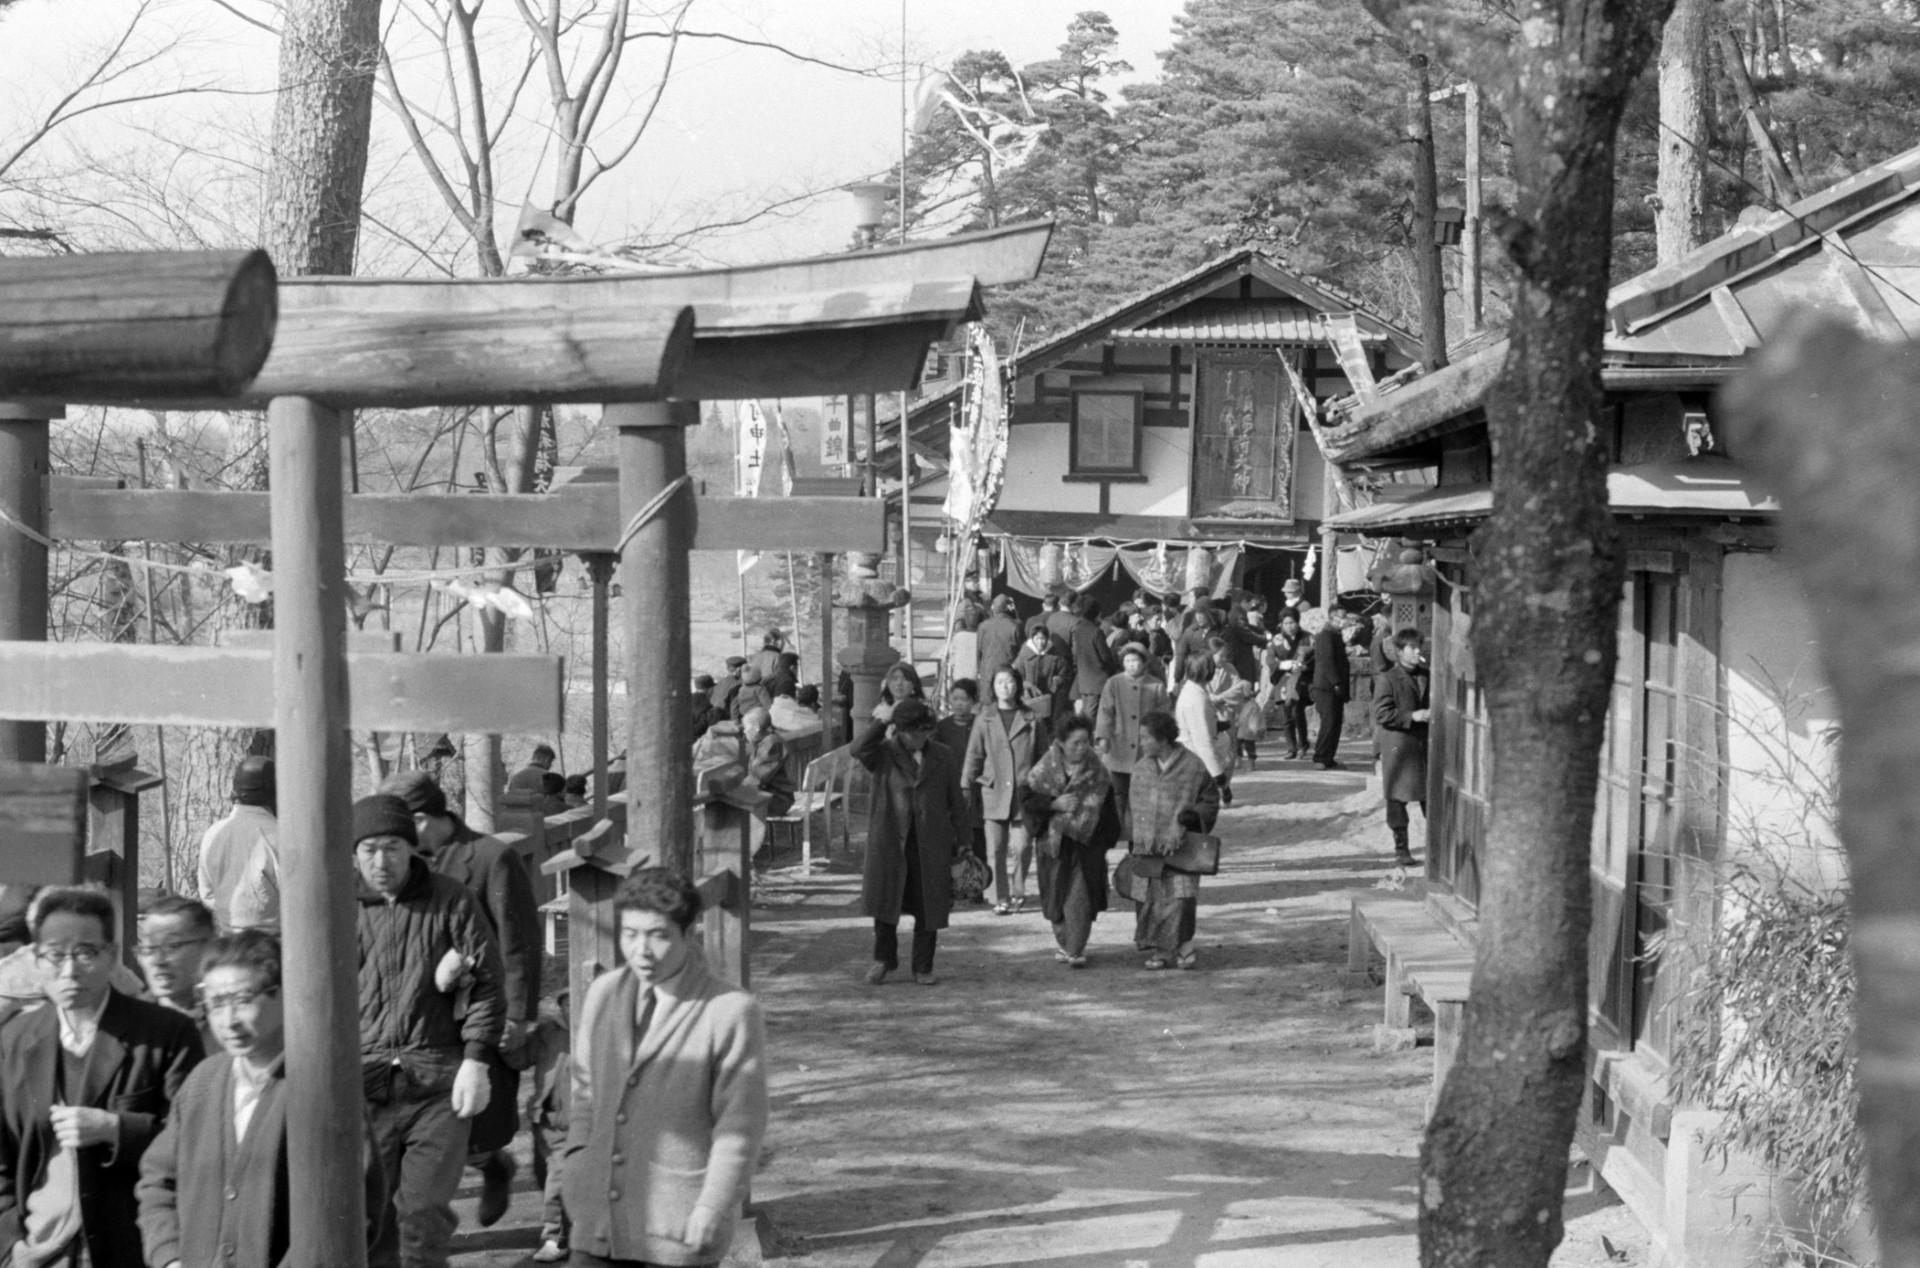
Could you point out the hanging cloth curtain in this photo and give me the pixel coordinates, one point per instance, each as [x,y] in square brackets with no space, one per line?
[1162,569]
[1035,565]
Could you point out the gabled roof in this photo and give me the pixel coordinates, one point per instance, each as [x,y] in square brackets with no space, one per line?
[1143,309]
[1852,250]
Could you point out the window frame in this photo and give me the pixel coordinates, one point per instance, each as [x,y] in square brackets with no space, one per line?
[1075,467]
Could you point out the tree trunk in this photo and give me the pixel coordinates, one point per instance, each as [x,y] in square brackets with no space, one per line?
[1426,251]
[1546,592]
[322,113]
[1683,130]
[1831,417]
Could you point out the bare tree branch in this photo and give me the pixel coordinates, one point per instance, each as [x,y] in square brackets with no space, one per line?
[865,72]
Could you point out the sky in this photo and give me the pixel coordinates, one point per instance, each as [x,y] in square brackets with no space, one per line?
[738,128]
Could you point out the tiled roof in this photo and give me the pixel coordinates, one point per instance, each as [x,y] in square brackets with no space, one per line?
[1238,321]
[1689,486]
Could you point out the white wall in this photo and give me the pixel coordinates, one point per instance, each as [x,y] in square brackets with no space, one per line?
[1036,459]
[1782,722]
[1164,455]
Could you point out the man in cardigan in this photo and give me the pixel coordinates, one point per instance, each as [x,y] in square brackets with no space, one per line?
[213,1186]
[88,1083]
[669,1092]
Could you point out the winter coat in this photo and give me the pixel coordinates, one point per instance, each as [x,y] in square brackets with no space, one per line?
[1243,646]
[1331,672]
[677,1123]
[1123,703]
[405,1021]
[141,1055]
[1093,661]
[239,873]
[921,800]
[1049,682]
[206,1198]
[1403,742]
[998,758]
[1199,727]
[997,642]
[497,876]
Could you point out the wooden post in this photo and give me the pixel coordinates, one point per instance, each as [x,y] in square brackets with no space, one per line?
[659,654]
[1470,231]
[725,863]
[829,674]
[317,878]
[600,572]
[23,561]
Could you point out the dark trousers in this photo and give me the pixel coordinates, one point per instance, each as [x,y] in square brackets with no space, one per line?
[886,944]
[1397,821]
[423,1149]
[584,1260]
[1332,710]
[1293,724]
[1122,785]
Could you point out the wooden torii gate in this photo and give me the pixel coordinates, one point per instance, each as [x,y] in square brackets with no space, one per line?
[849,323]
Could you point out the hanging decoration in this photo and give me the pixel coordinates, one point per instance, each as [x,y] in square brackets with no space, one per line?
[750,439]
[976,458]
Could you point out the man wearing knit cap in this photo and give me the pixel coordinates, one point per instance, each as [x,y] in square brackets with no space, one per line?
[239,878]
[431,1014]
[497,877]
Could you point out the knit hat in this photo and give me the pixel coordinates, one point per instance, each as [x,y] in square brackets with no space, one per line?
[419,790]
[912,715]
[703,682]
[253,783]
[1134,649]
[383,815]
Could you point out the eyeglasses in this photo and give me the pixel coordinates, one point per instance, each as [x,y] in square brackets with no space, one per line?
[236,1001]
[168,949]
[83,955]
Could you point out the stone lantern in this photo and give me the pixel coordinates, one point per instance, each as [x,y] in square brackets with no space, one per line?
[1408,582]
[867,656]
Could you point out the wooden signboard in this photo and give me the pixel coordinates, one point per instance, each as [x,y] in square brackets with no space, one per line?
[43,823]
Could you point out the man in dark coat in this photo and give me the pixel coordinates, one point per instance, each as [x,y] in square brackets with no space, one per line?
[213,1187]
[919,819]
[1243,640]
[499,881]
[729,685]
[704,714]
[1332,688]
[767,659]
[997,642]
[1059,618]
[785,679]
[424,947]
[1401,707]
[1093,660]
[89,1079]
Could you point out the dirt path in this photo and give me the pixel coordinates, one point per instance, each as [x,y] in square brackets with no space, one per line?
[1024,1113]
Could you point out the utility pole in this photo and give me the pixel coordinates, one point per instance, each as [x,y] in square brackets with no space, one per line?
[1471,286]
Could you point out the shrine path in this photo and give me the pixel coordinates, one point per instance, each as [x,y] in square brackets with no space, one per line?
[1024,1113]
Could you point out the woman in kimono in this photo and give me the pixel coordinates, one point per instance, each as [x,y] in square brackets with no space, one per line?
[1071,815]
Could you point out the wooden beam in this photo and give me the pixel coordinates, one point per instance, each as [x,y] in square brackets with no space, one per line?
[43,823]
[161,323]
[218,686]
[584,517]
[1739,326]
[859,322]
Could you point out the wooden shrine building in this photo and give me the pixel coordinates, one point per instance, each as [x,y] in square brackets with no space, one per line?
[1720,730]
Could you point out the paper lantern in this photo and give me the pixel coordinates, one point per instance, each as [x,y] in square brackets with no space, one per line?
[1053,564]
[1199,569]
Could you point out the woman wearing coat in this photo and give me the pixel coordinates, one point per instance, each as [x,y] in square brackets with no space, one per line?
[1070,813]
[1128,696]
[919,819]
[1172,795]
[1286,657]
[1199,725]
[1007,739]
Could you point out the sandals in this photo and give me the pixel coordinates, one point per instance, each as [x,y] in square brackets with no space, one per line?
[1002,909]
[1020,903]
[1156,962]
[1062,956]
[1076,961]
[1189,961]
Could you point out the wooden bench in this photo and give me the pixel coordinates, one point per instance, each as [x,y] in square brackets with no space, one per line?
[1423,958]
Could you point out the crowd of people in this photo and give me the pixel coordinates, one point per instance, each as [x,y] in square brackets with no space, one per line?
[143,1117]
[1099,733]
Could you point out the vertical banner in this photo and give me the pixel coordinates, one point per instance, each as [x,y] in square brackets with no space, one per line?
[750,436]
[836,451]
[786,451]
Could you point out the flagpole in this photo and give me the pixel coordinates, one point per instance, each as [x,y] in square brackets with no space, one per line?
[906,458]
[739,557]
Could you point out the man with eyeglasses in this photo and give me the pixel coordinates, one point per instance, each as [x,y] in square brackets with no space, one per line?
[88,1084]
[213,1186]
[174,933]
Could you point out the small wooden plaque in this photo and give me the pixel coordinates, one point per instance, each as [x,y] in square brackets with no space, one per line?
[43,823]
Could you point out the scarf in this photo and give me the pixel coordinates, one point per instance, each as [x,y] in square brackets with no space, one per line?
[1087,784]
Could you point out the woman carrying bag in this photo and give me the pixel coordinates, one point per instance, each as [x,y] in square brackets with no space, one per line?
[1007,739]
[1070,812]
[1173,795]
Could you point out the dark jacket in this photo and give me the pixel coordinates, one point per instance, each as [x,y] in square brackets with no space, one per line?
[404,1019]
[1331,673]
[1049,682]
[1403,742]
[1243,646]
[998,642]
[141,1056]
[1093,661]
[501,884]
[919,800]
[208,1199]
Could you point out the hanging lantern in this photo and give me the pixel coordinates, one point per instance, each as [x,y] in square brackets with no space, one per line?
[1199,569]
[1052,564]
